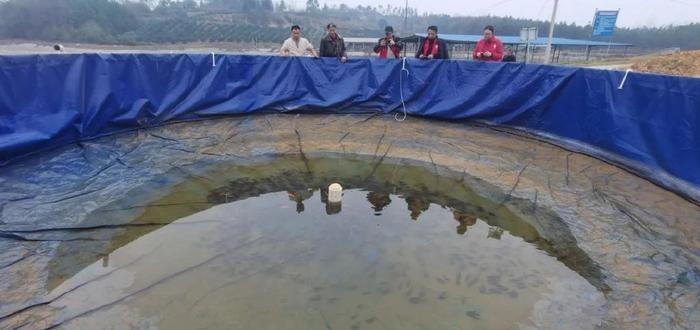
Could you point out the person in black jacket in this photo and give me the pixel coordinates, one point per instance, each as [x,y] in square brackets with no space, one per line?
[432,47]
[509,56]
[332,45]
[388,46]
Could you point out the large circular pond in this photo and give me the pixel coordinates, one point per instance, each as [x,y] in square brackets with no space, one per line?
[228,224]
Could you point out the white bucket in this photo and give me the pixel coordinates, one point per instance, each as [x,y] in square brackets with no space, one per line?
[335,193]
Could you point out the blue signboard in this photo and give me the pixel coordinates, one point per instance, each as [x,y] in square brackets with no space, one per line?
[604,23]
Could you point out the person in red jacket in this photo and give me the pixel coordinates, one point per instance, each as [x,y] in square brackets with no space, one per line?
[489,48]
[388,47]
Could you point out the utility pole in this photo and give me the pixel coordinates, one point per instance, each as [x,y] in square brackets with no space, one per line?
[405,27]
[548,52]
[405,20]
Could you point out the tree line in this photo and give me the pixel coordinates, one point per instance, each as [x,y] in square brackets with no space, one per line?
[170,21]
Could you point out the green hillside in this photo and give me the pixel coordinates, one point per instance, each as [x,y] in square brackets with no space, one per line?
[146,22]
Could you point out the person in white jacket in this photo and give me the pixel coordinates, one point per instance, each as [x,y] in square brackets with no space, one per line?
[295,45]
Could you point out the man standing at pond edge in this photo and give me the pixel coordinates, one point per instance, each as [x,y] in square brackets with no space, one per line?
[295,45]
[333,45]
[388,46]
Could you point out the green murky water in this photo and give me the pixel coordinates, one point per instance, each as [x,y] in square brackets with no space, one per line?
[259,247]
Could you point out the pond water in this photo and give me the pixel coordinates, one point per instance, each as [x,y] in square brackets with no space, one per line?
[260,247]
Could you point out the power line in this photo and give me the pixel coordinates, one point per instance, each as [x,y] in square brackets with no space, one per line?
[490,6]
[686,3]
[539,12]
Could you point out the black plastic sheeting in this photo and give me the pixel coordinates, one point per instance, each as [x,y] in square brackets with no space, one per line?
[634,242]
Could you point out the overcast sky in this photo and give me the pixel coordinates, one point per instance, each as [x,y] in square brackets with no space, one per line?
[633,13]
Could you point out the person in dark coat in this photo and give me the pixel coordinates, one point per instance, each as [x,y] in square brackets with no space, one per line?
[432,47]
[509,56]
[332,45]
[388,46]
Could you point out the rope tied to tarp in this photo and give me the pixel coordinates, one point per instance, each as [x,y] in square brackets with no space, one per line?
[624,79]
[403,102]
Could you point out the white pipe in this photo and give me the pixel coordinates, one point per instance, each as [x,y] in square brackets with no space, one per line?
[335,193]
[213,60]
[624,79]
[552,22]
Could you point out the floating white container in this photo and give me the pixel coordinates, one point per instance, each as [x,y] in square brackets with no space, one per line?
[335,193]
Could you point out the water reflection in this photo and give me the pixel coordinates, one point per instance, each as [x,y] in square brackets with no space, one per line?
[416,205]
[379,201]
[256,263]
[419,188]
[465,221]
[447,255]
[299,197]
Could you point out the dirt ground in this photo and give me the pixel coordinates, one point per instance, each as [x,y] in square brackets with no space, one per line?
[680,64]
[21,47]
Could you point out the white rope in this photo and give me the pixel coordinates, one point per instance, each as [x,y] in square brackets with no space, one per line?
[403,103]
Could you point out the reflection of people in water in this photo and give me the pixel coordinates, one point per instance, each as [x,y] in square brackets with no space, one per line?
[465,221]
[299,197]
[378,200]
[416,205]
[495,233]
[333,208]
[324,195]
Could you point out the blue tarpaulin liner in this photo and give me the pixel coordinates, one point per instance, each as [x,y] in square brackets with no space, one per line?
[651,125]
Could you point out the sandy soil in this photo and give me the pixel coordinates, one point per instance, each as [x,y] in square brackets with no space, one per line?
[680,64]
